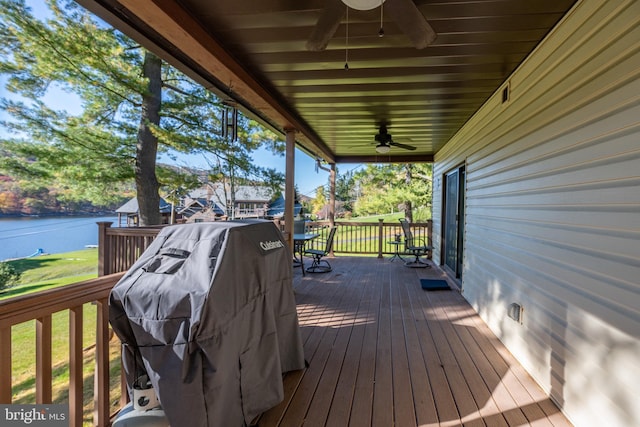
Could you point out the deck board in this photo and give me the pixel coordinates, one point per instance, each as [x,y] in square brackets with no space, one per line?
[360,415]
[424,403]
[384,352]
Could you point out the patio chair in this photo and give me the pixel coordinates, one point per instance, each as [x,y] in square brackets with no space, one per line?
[415,245]
[319,264]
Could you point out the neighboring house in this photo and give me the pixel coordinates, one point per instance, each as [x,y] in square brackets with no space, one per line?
[191,206]
[251,201]
[208,203]
[535,210]
[276,208]
[211,201]
[199,204]
[130,211]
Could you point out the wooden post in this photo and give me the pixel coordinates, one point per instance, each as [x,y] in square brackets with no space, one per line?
[101,383]
[380,237]
[104,252]
[43,360]
[124,389]
[429,236]
[289,190]
[332,199]
[75,366]
[5,365]
[332,195]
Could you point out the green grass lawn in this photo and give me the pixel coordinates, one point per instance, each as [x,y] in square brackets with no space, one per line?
[50,271]
[47,272]
[393,217]
[419,215]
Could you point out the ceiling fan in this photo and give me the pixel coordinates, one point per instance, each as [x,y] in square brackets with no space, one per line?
[404,12]
[385,142]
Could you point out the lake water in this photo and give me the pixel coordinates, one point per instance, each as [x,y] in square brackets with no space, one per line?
[21,237]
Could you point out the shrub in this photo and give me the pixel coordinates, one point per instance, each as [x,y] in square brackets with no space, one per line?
[9,276]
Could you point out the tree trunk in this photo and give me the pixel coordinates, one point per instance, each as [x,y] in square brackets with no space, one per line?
[408,208]
[147,185]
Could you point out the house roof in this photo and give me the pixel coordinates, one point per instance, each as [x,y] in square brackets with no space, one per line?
[244,193]
[191,206]
[131,207]
[276,208]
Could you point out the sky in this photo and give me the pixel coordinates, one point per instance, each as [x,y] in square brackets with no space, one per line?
[306,178]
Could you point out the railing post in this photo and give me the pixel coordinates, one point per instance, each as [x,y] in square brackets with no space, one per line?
[101,383]
[332,224]
[5,365]
[43,359]
[429,236]
[124,390]
[104,252]
[75,366]
[380,237]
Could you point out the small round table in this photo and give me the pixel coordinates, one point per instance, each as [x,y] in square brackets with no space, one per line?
[396,253]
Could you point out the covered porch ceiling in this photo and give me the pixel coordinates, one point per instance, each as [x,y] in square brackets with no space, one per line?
[254,53]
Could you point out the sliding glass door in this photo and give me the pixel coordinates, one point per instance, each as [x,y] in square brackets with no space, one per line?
[453,229]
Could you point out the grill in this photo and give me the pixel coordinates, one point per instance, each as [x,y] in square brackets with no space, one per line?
[208,315]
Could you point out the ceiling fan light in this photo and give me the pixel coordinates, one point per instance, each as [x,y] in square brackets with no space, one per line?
[382,148]
[363,4]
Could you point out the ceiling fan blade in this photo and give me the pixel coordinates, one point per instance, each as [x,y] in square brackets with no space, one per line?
[327,25]
[405,146]
[411,21]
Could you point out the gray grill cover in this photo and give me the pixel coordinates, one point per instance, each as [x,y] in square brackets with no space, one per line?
[208,312]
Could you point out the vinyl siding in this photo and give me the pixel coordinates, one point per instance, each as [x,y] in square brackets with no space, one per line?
[553,212]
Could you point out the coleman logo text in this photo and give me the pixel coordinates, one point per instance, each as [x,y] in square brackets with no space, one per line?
[267,246]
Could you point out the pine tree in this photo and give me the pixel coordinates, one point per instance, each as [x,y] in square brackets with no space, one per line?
[384,189]
[134,106]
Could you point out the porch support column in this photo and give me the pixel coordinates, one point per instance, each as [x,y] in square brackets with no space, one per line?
[289,188]
[332,195]
[332,199]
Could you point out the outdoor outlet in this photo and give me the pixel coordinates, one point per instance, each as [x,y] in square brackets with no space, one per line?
[516,312]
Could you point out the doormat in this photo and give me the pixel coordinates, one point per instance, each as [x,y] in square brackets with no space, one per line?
[434,285]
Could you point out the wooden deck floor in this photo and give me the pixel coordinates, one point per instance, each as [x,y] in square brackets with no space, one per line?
[384,352]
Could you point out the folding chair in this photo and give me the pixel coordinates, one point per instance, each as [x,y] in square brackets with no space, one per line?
[414,245]
[320,265]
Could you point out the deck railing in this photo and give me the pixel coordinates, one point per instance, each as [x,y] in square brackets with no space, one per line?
[366,238]
[118,249]
[40,307]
